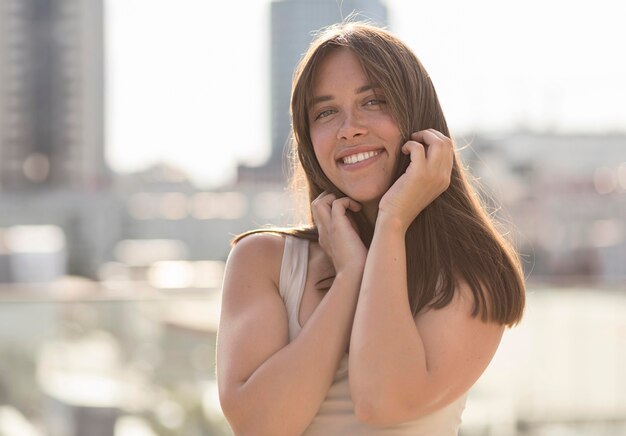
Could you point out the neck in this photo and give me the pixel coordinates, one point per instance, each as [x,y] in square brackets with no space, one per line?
[370,210]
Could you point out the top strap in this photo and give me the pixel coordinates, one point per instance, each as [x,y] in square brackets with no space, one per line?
[292,279]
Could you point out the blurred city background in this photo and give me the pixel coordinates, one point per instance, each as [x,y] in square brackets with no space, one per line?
[137,137]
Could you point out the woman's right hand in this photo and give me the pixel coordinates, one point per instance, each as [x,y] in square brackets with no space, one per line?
[338,236]
[427,177]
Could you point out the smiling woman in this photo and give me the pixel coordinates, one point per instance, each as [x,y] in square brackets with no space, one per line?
[355,138]
[400,281]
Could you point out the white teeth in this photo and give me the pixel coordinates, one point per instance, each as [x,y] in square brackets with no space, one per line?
[354,158]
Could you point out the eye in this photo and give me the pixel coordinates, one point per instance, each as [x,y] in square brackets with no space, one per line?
[375,102]
[324,113]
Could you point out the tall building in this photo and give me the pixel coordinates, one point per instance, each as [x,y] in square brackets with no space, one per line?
[52,166]
[51,94]
[293,26]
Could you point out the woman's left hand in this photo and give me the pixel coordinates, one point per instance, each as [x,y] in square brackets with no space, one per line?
[427,176]
[338,235]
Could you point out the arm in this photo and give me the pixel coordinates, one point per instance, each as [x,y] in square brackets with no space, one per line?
[402,367]
[267,385]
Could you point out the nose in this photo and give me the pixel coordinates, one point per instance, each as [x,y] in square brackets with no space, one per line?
[352,126]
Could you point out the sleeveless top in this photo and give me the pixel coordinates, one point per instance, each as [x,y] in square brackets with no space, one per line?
[336,414]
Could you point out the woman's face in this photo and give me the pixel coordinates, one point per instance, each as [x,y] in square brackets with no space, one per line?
[355,139]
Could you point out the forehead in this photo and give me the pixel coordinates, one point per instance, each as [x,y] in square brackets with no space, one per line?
[340,68]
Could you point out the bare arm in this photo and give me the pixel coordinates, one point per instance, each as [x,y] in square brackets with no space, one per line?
[267,385]
[403,367]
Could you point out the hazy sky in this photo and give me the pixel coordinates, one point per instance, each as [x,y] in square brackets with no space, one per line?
[187,80]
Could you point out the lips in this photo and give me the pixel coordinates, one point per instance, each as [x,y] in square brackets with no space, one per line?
[356,150]
[356,161]
[359,157]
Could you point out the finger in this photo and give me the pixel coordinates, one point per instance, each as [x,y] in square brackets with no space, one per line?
[440,161]
[350,204]
[340,206]
[447,142]
[323,201]
[437,137]
[320,208]
[339,216]
[441,153]
[435,132]
[425,137]
[439,134]
[321,195]
[416,150]
[325,197]
[440,147]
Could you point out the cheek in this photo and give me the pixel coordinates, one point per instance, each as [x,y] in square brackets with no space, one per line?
[396,155]
[397,149]
[322,147]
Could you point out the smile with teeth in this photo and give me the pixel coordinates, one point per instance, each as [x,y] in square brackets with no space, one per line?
[359,157]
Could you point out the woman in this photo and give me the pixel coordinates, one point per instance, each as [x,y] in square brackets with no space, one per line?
[379,317]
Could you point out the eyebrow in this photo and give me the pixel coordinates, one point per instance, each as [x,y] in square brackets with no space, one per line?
[321,98]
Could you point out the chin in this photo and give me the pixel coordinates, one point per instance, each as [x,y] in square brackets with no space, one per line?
[365,198]
[369,194]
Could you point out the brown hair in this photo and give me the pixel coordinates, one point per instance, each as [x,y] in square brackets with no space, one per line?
[451,238]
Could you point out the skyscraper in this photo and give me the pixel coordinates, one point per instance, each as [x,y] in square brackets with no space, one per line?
[52,166]
[292,27]
[51,94]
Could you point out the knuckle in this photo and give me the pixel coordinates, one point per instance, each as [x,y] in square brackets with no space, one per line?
[413,145]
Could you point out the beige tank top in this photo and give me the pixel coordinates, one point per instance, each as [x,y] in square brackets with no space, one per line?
[336,414]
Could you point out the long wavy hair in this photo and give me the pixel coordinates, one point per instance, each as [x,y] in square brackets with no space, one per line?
[453,238]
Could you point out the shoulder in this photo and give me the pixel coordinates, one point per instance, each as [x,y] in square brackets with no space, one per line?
[257,253]
[260,243]
[458,319]
[252,274]
[455,330]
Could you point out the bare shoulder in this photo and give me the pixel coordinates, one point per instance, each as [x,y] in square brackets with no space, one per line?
[454,331]
[459,310]
[264,244]
[464,297]
[457,345]
[257,255]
